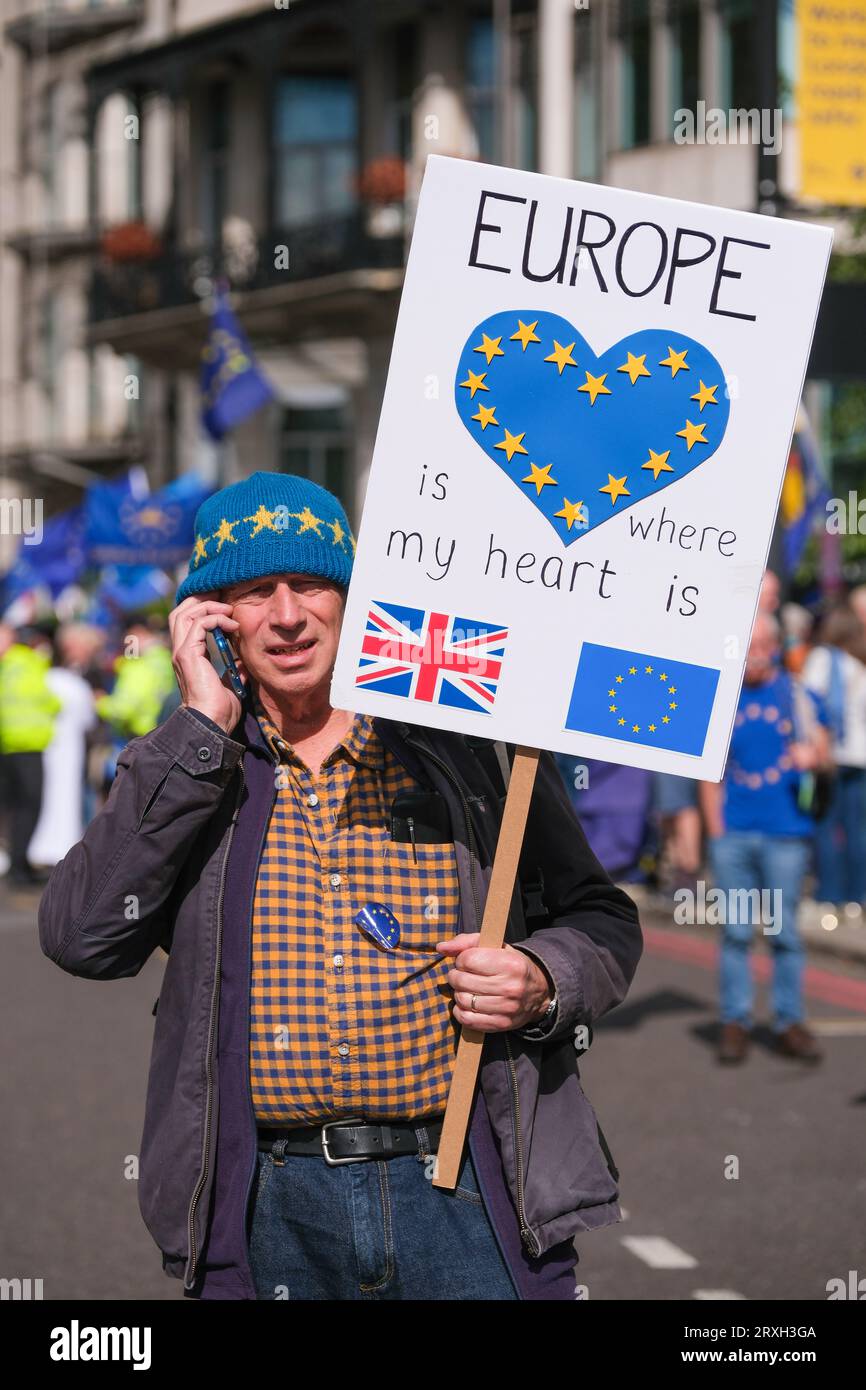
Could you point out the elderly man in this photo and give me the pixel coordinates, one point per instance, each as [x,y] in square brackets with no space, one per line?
[317,878]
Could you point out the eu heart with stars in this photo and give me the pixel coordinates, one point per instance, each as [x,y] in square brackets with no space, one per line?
[584,436]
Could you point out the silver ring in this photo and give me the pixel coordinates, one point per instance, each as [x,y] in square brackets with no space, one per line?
[472,1005]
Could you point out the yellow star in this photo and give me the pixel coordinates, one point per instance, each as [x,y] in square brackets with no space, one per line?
[486,415]
[571,512]
[475,383]
[675,360]
[652,728]
[526,334]
[619,680]
[620,721]
[706,395]
[663,676]
[672,690]
[594,386]
[561,356]
[338,531]
[616,488]
[635,366]
[632,670]
[635,728]
[612,709]
[490,347]
[224,533]
[263,519]
[539,476]
[693,434]
[672,704]
[611,693]
[666,719]
[200,551]
[308,521]
[658,463]
[647,670]
[511,444]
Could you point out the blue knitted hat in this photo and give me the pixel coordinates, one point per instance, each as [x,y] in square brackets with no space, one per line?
[270,523]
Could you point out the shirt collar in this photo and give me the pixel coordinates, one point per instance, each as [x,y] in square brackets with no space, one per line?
[361,743]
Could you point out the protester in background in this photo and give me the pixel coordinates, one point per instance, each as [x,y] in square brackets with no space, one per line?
[797,625]
[857,600]
[612,803]
[28,709]
[836,669]
[770,594]
[61,822]
[759,838]
[145,677]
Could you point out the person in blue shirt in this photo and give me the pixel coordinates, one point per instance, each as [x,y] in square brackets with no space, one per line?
[760,840]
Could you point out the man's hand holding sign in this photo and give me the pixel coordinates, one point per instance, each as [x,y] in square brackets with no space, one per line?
[588,413]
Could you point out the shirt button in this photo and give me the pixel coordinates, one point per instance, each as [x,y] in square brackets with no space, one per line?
[203,755]
[343,1049]
[338,961]
[336,880]
[312,799]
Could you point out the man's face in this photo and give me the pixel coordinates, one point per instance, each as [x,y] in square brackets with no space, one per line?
[289,629]
[763,652]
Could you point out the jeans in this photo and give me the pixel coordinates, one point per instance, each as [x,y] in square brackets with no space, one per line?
[752,859]
[376,1229]
[22,779]
[841,840]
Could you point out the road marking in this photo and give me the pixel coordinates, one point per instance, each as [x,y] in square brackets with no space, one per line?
[713,1294]
[659,1253]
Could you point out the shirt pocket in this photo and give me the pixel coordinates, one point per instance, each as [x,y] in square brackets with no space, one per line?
[420,886]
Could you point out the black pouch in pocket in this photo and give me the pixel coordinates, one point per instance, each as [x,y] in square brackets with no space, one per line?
[420,817]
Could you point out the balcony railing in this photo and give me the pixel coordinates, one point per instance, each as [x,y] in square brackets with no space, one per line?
[178,277]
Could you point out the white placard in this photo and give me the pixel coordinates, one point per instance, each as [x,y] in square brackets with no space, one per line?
[588,413]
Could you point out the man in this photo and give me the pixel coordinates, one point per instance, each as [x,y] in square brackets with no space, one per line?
[28,710]
[302,1057]
[759,842]
[144,680]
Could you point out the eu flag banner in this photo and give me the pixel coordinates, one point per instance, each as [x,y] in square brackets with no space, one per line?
[640,698]
[232,385]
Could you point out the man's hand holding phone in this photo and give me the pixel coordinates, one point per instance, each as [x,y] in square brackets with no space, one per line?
[201,685]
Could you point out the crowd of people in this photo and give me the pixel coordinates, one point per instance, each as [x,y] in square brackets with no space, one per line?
[789,817]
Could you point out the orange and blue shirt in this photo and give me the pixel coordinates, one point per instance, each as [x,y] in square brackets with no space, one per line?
[339,1025]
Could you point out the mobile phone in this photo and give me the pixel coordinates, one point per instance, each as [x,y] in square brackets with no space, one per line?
[221,642]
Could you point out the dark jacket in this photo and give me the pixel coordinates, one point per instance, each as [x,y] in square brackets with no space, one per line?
[171,861]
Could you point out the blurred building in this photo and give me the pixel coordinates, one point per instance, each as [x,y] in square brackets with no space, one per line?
[150,146]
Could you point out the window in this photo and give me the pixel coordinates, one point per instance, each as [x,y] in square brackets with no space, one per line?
[215,160]
[481,86]
[739,82]
[685,33]
[315,443]
[315,149]
[636,74]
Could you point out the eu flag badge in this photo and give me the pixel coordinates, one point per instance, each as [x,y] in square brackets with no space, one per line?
[378,921]
[640,698]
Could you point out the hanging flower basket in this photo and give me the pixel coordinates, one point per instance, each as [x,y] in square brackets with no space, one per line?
[130,241]
[383,181]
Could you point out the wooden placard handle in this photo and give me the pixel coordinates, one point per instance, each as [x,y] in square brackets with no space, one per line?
[493,926]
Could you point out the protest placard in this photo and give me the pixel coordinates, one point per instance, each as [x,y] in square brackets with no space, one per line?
[587,418]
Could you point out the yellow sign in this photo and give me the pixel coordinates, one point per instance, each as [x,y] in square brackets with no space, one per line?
[831,101]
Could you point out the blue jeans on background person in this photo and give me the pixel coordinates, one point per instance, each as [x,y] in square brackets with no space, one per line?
[376,1229]
[841,840]
[752,859]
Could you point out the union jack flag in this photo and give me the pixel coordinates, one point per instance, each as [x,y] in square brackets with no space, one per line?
[422,655]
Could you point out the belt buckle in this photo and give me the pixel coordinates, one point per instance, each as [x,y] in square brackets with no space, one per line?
[330,1124]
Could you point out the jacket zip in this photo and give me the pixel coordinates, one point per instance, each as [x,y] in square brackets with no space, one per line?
[526,1234]
[193,1255]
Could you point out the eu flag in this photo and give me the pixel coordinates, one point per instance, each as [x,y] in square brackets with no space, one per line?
[640,698]
[232,385]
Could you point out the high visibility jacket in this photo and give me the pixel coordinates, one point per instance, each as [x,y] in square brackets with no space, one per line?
[28,705]
[143,682]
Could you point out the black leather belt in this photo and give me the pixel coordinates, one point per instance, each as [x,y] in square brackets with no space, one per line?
[351,1140]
